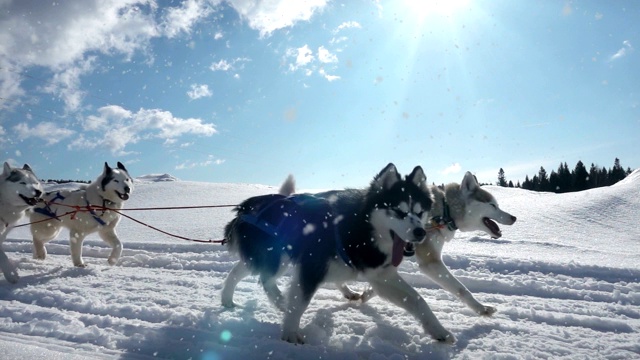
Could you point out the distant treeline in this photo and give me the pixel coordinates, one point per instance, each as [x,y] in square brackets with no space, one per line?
[564,180]
[60,181]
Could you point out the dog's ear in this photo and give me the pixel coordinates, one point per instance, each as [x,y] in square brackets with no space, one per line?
[288,187]
[387,177]
[121,167]
[7,169]
[27,168]
[418,177]
[469,183]
[107,168]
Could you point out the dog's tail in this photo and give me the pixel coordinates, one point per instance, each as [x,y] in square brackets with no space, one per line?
[288,187]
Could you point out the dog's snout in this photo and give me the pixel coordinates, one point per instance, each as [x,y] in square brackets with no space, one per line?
[419,233]
[127,189]
[513,218]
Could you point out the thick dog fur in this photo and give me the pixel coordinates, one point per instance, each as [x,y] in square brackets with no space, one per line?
[111,189]
[333,237]
[468,208]
[20,189]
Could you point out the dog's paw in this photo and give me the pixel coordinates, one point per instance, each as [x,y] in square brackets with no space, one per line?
[292,337]
[229,304]
[12,276]
[445,338]
[367,295]
[80,265]
[352,296]
[112,260]
[487,310]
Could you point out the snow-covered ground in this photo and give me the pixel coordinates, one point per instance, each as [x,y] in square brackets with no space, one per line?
[565,279]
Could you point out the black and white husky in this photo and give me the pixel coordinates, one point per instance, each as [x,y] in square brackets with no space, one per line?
[20,189]
[110,190]
[334,238]
[466,207]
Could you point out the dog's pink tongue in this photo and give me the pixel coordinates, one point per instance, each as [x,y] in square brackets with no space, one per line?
[398,251]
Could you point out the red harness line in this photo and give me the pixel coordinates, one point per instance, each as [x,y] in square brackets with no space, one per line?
[90,208]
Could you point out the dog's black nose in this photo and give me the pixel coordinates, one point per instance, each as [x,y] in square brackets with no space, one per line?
[38,193]
[513,218]
[419,233]
[127,189]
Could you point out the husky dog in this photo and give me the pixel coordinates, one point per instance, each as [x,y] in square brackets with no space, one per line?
[20,189]
[334,238]
[465,207]
[110,190]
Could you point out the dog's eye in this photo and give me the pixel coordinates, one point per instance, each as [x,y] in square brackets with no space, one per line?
[494,206]
[400,213]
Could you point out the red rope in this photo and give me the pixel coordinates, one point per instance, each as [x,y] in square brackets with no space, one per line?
[168,233]
[90,208]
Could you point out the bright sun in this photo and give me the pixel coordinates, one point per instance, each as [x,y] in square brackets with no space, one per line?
[424,8]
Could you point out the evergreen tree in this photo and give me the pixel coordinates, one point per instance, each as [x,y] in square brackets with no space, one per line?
[527,183]
[554,181]
[543,180]
[580,177]
[535,183]
[564,179]
[510,184]
[617,172]
[594,177]
[603,177]
[502,180]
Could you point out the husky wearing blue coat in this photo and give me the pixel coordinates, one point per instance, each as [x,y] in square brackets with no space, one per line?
[334,237]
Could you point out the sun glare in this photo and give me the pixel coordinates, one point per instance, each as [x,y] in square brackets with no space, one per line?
[424,8]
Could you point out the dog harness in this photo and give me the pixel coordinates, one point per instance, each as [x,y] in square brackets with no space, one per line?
[445,219]
[286,221]
[46,210]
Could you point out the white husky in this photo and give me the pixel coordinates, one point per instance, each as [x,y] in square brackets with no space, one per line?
[19,190]
[110,190]
[465,207]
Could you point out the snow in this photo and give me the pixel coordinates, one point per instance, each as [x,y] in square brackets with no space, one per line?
[565,279]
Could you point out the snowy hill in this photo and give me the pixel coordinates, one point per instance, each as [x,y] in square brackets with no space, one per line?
[155,178]
[565,279]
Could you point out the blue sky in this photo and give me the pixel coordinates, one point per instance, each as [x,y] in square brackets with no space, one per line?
[331,91]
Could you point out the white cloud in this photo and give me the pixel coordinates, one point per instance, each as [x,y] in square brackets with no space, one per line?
[267,16]
[324,56]
[221,65]
[304,56]
[211,160]
[66,83]
[199,91]
[59,37]
[304,60]
[115,127]
[626,48]
[224,65]
[453,169]
[329,78]
[50,132]
[65,37]
[348,25]
[182,18]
